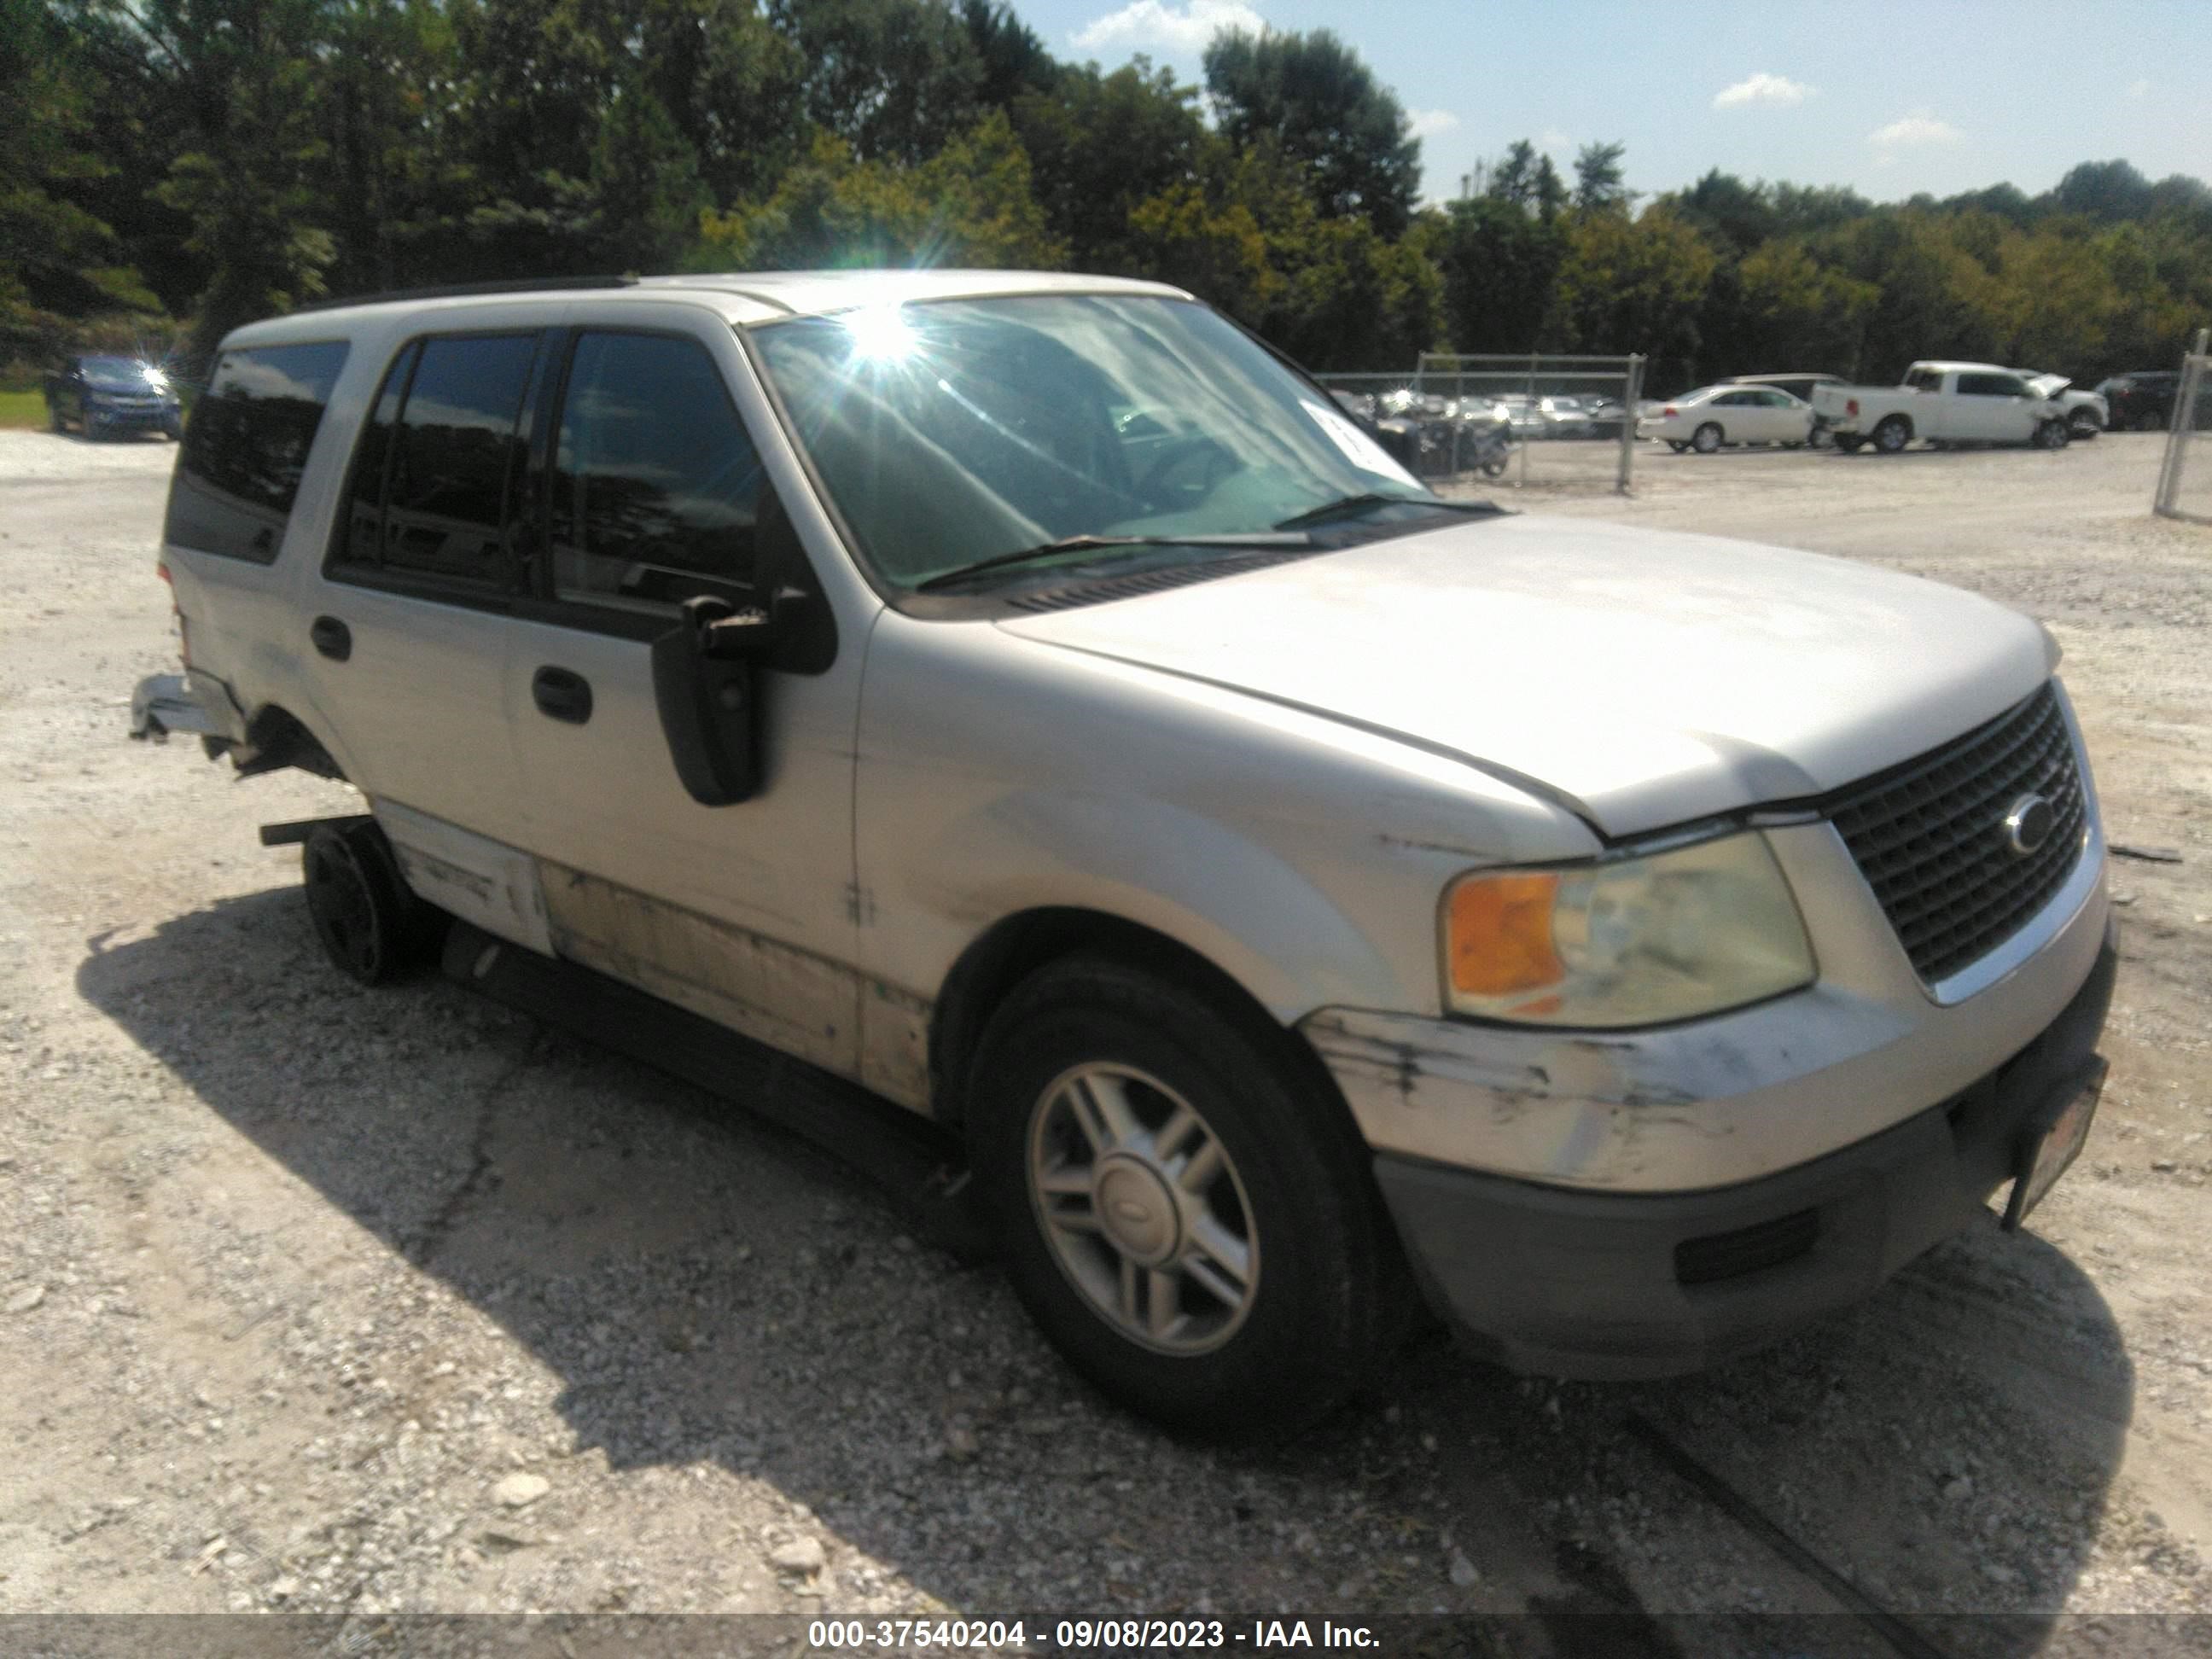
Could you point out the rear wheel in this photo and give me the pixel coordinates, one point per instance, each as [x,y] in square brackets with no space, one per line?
[1706,439]
[1892,436]
[1185,1211]
[2150,421]
[372,927]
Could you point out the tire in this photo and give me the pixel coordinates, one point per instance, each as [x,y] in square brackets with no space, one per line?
[1706,439]
[1892,436]
[2082,427]
[2051,435]
[1281,1288]
[371,925]
[1677,446]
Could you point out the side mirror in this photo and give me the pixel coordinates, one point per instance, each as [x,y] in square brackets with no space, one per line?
[703,683]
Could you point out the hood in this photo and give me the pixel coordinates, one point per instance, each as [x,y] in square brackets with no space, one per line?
[1641,678]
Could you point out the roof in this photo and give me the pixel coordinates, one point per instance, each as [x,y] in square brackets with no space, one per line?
[742,296]
[1948,366]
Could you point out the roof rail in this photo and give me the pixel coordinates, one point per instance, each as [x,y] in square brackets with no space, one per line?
[463,290]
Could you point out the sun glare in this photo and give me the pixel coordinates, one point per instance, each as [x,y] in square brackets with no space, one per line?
[881,334]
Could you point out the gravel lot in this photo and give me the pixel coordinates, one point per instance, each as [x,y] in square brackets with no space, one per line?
[343,1301]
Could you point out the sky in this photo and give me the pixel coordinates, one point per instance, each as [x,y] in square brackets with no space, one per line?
[1891,100]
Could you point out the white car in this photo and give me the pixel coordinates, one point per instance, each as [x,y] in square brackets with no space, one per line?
[1288,893]
[1712,416]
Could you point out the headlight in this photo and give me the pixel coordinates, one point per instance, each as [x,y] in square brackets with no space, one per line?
[1631,941]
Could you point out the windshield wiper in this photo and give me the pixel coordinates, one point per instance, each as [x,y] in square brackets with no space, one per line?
[1371,498]
[961,573]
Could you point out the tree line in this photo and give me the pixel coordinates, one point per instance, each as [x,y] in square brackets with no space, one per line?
[174,168]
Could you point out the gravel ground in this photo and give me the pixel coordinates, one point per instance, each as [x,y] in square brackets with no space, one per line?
[322,1299]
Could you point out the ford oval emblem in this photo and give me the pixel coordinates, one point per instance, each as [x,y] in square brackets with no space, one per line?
[2028,824]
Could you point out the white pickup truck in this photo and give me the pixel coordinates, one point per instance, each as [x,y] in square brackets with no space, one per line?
[1943,403]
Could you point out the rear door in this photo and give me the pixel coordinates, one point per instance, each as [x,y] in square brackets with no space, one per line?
[406,627]
[652,489]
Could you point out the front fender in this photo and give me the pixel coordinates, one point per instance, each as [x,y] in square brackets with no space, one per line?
[1210,887]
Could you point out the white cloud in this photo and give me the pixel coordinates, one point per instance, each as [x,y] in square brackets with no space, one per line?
[1431,122]
[1553,138]
[1182,32]
[1911,131]
[2139,89]
[1762,88]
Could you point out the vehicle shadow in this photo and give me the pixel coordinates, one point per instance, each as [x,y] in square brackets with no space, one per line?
[707,1290]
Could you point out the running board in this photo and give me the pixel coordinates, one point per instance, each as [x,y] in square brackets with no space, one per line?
[917,1166]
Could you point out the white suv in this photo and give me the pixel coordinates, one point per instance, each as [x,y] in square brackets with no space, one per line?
[1028,698]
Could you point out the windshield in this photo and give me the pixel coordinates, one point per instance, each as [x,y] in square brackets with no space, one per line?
[117,373]
[954,431]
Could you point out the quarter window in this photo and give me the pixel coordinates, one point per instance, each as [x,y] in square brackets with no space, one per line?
[657,488]
[246,447]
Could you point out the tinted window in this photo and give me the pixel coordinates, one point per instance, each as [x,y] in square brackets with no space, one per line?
[656,483]
[1924,379]
[1990,386]
[451,453]
[247,446]
[359,536]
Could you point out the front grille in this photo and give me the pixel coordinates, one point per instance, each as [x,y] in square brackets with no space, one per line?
[1928,836]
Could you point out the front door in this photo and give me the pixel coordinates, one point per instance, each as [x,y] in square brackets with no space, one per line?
[652,491]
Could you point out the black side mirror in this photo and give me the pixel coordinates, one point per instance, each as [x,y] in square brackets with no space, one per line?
[703,682]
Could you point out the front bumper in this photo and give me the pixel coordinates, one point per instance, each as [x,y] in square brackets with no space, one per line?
[1584,1283]
[155,417]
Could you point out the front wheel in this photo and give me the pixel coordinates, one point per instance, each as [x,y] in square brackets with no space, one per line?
[1706,439]
[1892,436]
[2083,428]
[2051,435]
[1183,1208]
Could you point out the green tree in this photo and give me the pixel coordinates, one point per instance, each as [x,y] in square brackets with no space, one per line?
[969,205]
[1598,180]
[1498,264]
[895,79]
[1630,285]
[1101,144]
[646,193]
[1311,94]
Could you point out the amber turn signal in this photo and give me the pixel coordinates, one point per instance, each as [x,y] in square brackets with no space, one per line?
[1499,934]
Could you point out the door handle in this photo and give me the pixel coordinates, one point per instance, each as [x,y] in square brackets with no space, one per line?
[332,637]
[562,695]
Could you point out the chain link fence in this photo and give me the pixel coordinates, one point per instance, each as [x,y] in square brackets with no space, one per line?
[1523,420]
[2184,479]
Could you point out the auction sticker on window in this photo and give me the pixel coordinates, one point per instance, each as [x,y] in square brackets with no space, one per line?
[1362,451]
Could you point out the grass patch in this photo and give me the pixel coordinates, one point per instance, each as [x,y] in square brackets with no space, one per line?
[22,408]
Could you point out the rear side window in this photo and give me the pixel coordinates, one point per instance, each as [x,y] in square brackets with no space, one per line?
[437,459]
[247,446]
[657,488]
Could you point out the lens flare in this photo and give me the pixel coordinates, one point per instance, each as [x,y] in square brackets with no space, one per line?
[881,334]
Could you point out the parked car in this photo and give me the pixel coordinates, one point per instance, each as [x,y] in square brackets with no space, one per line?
[2086,411]
[1606,415]
[1027,697]
[1946,403]
[2141,401]
[1713,416]
[1798,385]
[1565,417]
[101,395]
